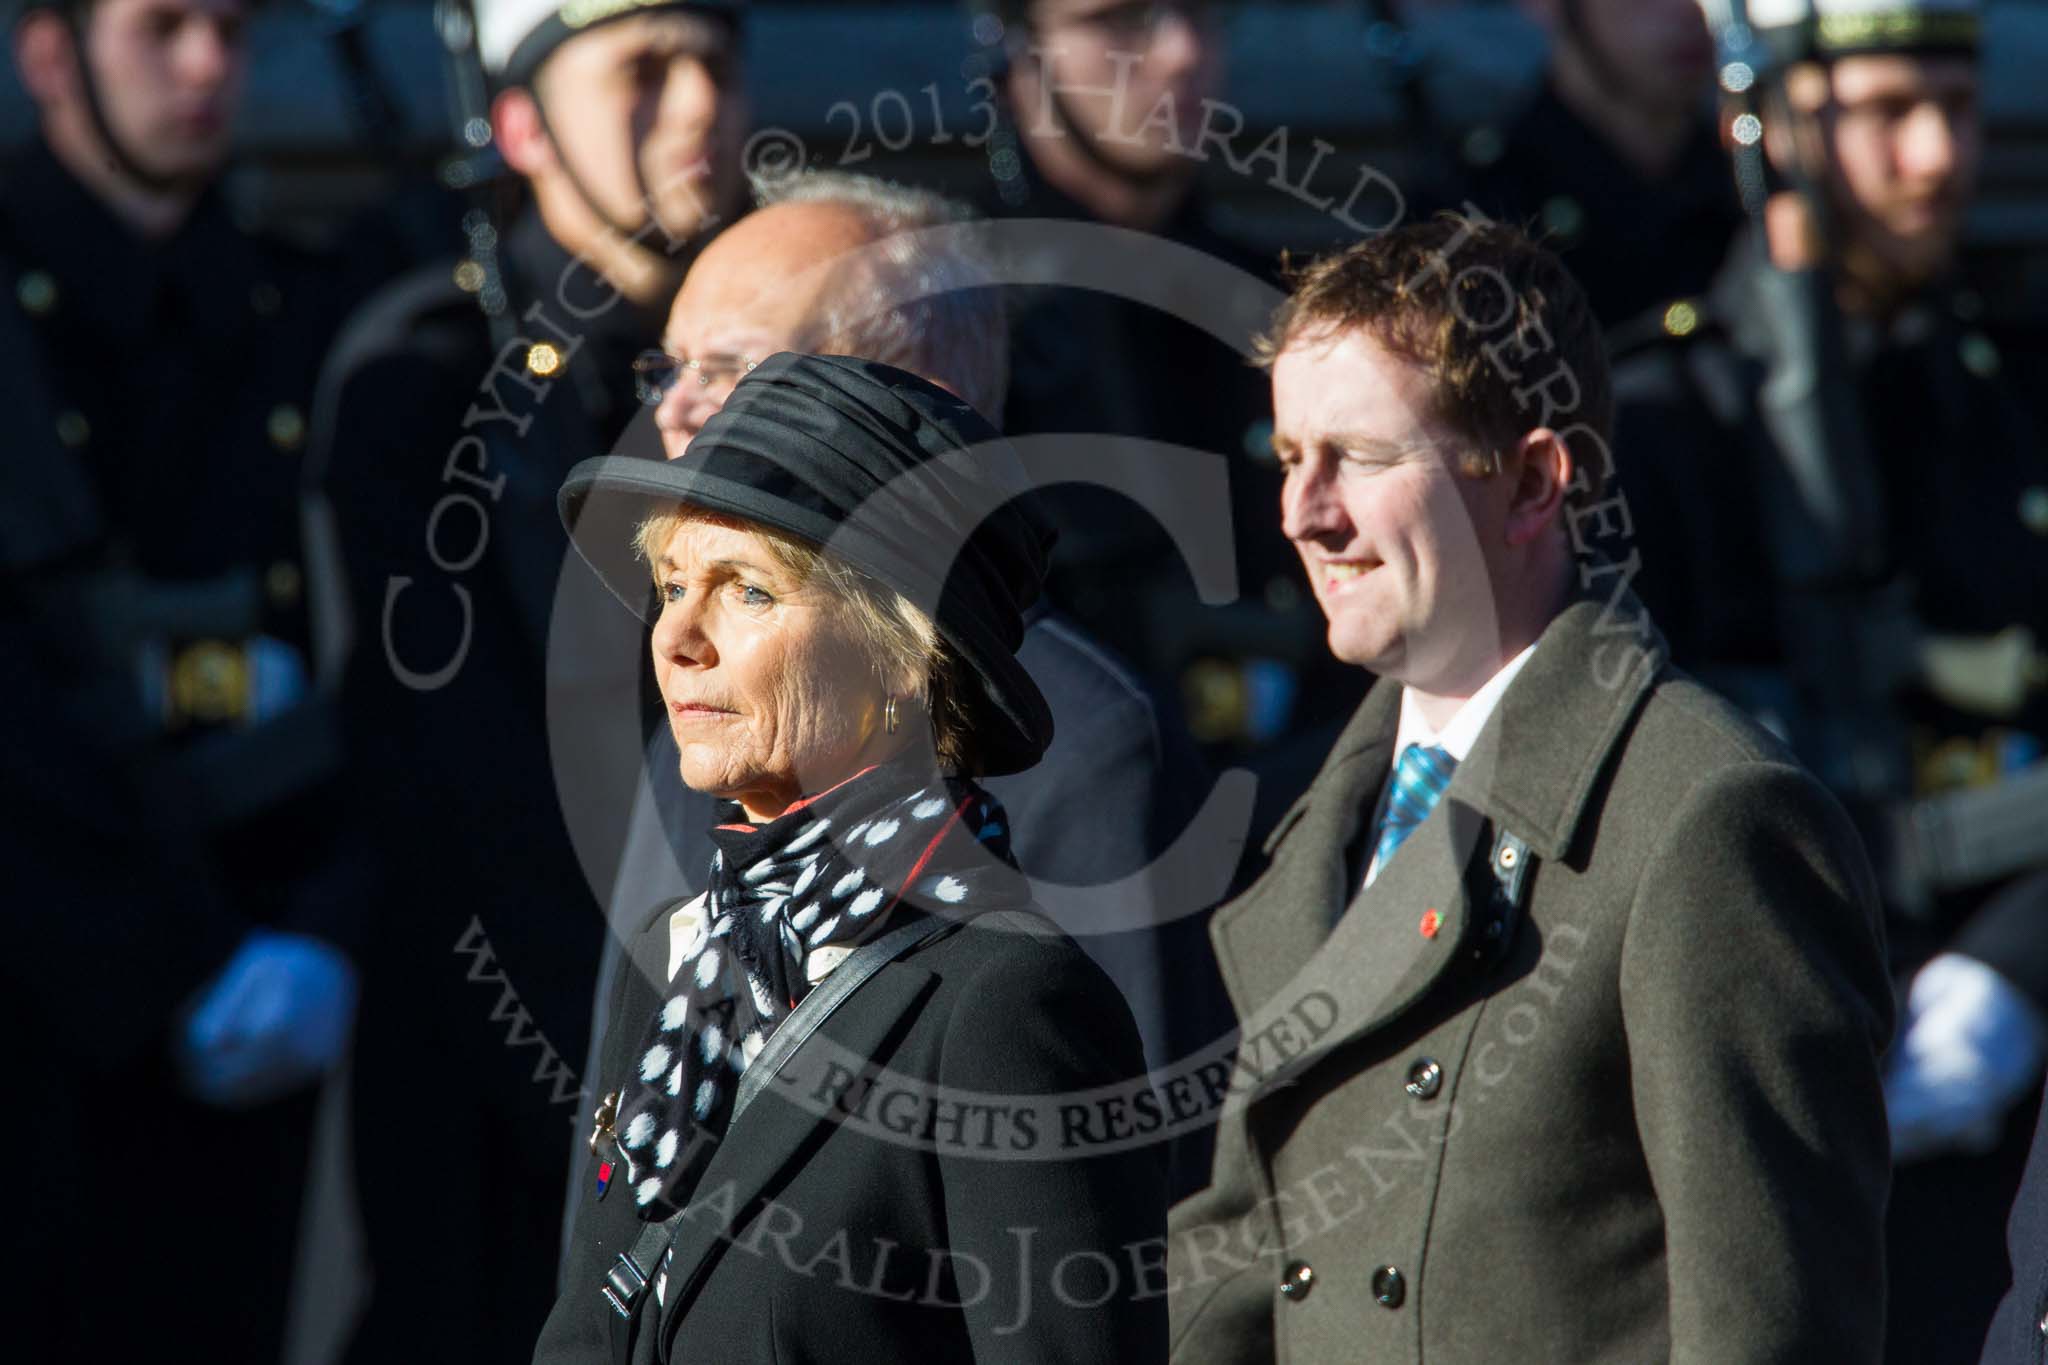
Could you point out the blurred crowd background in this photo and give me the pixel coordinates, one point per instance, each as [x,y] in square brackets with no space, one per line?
[368,218]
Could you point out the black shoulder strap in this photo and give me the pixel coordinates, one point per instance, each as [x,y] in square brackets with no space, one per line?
[826,996]
[625,1285]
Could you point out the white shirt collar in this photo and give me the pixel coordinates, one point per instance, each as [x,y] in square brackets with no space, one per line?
[1458,737]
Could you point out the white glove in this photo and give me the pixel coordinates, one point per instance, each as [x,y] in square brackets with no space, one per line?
[1971,1047]
[277,1017]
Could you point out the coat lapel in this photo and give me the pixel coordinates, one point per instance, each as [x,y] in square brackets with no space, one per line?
[1394,940]
[1265,937]
[1532,772]
[776,1129]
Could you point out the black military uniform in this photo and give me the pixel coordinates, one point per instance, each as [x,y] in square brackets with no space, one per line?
[1632,242]
[171,759]
[1959,474]
[445,434]
[1254,677]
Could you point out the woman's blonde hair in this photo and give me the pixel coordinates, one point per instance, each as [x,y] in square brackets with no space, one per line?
[899,640]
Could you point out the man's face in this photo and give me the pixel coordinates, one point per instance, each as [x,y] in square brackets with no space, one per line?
[755,290]
[1906,141]
[169,74]
[1391,535]
[1659,50]
[646,113]
[1160,60]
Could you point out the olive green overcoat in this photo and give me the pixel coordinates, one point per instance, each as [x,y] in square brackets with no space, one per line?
[1590,1073]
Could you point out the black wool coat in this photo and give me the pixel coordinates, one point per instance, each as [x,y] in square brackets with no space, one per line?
[820,1231]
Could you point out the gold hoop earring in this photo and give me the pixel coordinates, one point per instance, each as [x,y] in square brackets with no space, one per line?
[890,722]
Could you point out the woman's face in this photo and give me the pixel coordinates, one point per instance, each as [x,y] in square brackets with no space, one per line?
[769,696]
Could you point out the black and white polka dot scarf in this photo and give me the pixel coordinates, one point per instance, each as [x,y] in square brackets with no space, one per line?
[827,874]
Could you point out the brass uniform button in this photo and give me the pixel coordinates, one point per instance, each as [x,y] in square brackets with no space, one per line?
[282,583]
[72,429]
[469,277]
[210,682]
[1297,1280]
[286,427]
[1216,700]
[1681,319]
[543,358]
[36,291]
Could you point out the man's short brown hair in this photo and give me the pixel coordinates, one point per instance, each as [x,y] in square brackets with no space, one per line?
[1504,332]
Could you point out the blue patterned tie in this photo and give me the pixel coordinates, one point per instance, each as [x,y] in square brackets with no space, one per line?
[1419,780]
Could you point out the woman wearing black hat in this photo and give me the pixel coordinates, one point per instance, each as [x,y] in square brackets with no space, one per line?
[860,1093]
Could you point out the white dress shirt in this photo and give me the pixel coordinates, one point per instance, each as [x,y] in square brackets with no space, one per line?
[1459,735]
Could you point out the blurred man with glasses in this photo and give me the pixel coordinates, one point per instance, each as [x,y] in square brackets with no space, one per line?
[457,401]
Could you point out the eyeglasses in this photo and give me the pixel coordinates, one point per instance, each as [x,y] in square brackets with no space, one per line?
[656,372]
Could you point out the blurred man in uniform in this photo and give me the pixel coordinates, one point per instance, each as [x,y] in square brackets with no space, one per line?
[1107,103]
[455,403]
[1842,512]
[1616,163]
[178,978]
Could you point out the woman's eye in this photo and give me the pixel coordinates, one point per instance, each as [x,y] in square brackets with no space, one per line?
[671,592]
[754,597]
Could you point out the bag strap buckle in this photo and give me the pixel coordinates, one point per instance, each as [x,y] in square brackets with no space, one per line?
[625,1284]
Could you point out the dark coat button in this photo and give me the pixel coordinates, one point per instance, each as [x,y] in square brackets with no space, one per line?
[1389,1286]
[1425,1078]
[1297,1280]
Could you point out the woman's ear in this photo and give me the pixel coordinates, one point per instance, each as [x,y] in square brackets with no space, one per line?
[521,133]
[1542,470]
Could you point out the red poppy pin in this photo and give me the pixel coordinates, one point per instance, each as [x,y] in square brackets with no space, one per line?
[1431,922]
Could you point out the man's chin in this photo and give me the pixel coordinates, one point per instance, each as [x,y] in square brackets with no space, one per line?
[189,166]
[1360,648]
[689,210]
[1148,159]
[1918,255]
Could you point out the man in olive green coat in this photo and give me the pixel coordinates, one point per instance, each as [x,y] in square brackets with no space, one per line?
[1563,996]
